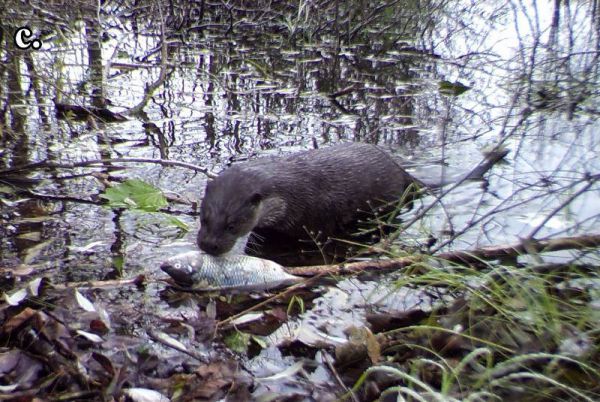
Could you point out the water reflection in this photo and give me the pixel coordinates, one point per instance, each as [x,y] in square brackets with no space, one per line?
[213,84]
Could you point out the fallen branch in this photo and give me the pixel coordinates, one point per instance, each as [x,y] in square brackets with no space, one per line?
[91,163]
[461,256]
[139,280]
[524,247]
[318,271]
[355,267]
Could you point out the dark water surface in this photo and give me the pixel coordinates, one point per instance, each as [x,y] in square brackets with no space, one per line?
[210,85]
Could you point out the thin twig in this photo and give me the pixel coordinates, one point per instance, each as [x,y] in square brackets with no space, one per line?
[327,361]
[556,210]
[90,163]
[282,294]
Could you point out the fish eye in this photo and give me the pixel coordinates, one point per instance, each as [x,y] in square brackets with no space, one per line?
[177,265]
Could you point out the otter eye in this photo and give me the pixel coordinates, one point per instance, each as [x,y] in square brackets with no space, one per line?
[231,227]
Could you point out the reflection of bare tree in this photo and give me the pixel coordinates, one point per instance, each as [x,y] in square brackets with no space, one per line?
[16,138]
[554,74]
[563,67]
[361,70]
[95,62]
[152,87]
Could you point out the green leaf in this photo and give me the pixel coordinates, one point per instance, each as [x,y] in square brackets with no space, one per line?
[118,263]
[178,223]
[135,194]
[295,300]
[260,341]
[238,341]
[453,88]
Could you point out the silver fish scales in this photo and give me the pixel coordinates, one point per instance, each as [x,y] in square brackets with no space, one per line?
[202,271]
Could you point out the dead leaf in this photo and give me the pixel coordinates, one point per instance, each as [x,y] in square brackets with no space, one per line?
[104,362]
[33,236]
[83,302]
[212,378]
[89,336]
[373,347]
[34,286]
[16,321]
[33,252]
[14,299]
[99,327]
[145,395]
[22,270]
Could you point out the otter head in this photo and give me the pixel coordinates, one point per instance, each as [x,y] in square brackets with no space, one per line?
[224,221]
[229,211]
[237,201]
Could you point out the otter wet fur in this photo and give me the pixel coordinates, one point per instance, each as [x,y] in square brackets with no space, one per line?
[281,199]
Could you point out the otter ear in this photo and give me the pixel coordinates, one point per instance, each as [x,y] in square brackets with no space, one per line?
[255,199]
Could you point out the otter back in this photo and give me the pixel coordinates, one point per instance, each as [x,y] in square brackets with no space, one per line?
[323,191]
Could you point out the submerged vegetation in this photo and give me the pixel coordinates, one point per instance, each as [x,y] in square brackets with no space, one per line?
[475,291]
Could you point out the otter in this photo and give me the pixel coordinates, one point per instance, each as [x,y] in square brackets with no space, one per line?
[316,193]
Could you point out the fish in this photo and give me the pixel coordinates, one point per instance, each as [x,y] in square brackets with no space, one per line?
[206,272]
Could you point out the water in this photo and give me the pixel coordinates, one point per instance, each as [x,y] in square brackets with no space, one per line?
[226,93]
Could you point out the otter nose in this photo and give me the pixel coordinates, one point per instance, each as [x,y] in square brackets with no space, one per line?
[209,246]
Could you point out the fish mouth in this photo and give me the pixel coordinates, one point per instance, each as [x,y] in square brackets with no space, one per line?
[180,276]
